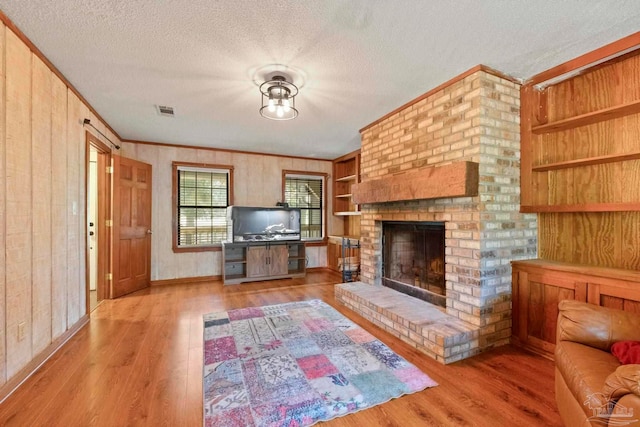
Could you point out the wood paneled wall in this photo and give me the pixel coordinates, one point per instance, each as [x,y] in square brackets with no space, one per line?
[604,239]
[257,182]
[42,208]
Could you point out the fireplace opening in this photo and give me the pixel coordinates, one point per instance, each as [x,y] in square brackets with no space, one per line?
[413,259]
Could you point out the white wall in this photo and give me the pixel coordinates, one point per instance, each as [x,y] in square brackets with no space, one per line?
[257,182]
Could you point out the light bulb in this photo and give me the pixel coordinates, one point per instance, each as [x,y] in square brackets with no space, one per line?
[271,106]
[287,105]
[279,111]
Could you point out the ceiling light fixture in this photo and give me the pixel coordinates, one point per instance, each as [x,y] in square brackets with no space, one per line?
[278,99]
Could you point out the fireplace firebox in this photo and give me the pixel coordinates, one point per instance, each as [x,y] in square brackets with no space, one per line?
[413,259]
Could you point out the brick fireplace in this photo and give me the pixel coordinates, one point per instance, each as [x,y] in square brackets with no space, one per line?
[452,156]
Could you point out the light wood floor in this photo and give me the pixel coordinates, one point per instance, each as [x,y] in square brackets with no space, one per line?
[139,362]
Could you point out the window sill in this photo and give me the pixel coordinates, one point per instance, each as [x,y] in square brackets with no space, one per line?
[214,248]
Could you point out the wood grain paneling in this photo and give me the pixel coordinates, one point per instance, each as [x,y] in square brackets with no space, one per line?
[586,173]
[73,240]
[606,239]
[3,348]
[19,217]
[629,238]
[250,189]
[58,208]
[41,204]
[41,208]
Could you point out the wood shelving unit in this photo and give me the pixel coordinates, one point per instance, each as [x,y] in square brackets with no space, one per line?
[346,172]
[581,141]
[580,158]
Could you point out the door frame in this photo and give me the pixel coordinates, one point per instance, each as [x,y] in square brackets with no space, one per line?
[105,208]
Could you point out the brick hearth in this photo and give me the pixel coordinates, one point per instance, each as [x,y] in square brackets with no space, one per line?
[425,326]
[475,118]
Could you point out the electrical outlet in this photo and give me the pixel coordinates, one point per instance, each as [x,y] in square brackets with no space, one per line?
[21,326]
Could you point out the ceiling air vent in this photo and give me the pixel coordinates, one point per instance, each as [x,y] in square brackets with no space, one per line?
[163,110]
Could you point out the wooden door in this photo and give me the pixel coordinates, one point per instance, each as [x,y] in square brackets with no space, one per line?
[278,260]
[257,261]
[131,226]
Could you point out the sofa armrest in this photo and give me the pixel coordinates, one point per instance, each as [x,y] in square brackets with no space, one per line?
[595,326]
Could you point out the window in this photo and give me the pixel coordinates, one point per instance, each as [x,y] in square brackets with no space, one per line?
[305,190]
[201,196]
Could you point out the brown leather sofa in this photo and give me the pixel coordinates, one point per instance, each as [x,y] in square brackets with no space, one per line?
[592,387]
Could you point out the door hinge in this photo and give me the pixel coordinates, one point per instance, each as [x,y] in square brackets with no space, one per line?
[108,223]
[109,276]
[109,169]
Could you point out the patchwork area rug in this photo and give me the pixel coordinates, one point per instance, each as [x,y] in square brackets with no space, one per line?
[295,364]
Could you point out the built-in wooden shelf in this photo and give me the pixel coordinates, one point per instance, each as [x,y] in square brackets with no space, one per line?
[346,174]
[612,158]
[588,118]
[584,207]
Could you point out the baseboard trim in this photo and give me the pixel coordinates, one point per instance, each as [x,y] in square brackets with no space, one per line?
[184,280]
[30,368]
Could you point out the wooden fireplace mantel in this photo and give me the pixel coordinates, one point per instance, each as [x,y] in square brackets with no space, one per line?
[458,179]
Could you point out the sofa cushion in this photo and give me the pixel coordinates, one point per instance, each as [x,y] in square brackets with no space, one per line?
[585,370]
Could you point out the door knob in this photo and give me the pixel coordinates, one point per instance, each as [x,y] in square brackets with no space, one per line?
[149,232]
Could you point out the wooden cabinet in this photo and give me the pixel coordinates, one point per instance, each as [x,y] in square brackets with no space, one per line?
[346,172]
[538,286]
[245,262]
[267,260]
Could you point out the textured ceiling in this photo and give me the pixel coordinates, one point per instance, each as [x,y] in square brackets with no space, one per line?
[359,59]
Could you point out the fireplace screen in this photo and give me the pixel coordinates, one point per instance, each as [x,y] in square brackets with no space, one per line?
[413,259]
